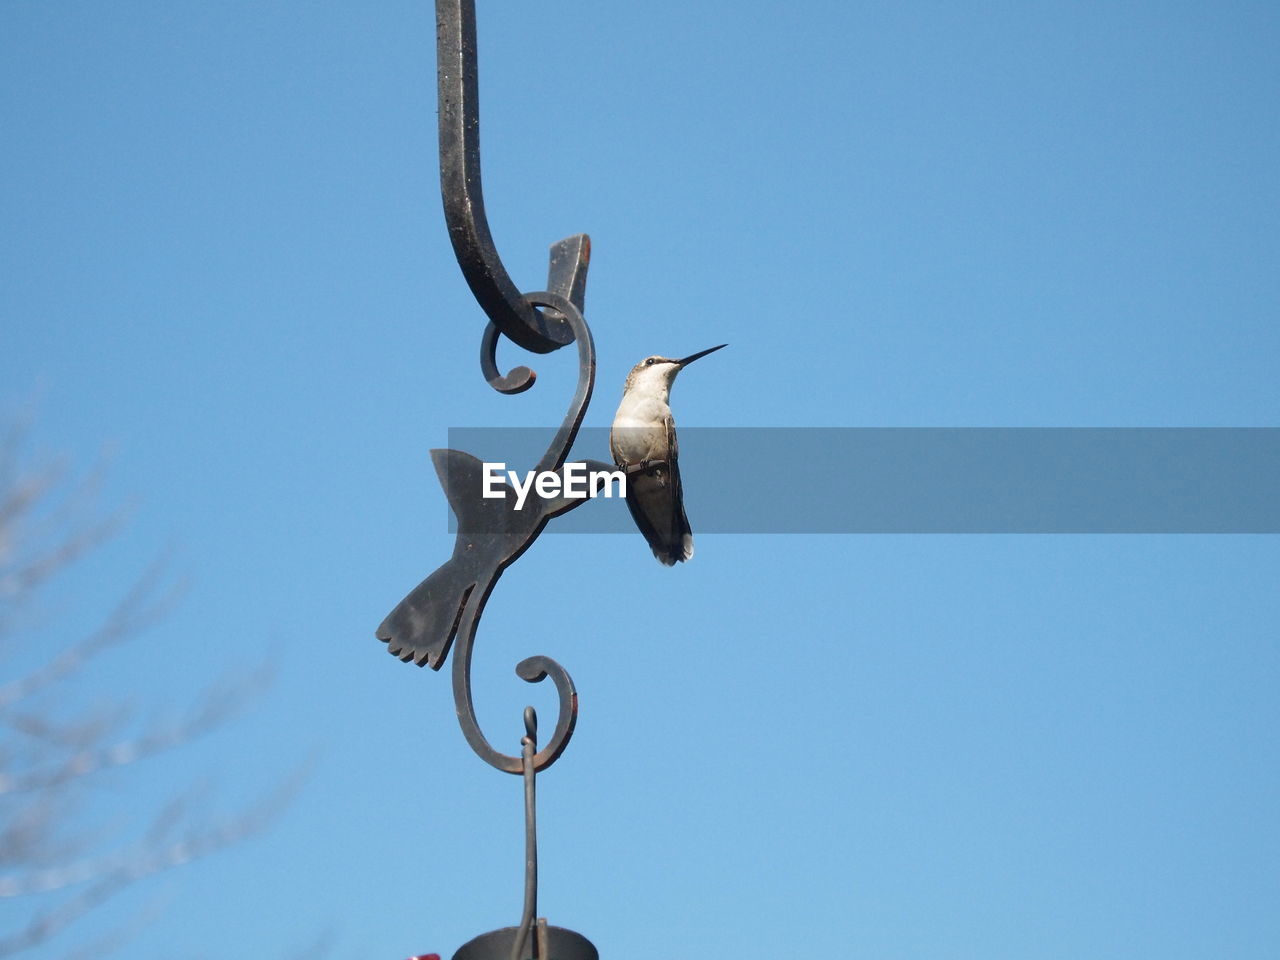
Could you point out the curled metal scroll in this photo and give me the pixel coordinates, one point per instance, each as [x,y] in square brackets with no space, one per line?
[492,534]
[566,277]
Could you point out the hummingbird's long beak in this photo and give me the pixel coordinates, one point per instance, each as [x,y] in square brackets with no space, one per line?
[702,353]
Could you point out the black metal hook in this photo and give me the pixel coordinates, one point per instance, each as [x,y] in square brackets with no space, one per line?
[538,331]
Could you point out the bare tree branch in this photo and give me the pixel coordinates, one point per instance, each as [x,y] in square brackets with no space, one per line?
[54,920]
[136,611]
[117,937]
[64,861]
[218,706]
[145,859]
[52,542]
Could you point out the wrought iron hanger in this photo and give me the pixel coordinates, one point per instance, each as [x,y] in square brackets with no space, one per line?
[492,534]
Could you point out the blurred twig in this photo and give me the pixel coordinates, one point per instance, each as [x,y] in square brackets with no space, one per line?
[51,752]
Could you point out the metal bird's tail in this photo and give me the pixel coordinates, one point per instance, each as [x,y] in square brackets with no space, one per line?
[422,626]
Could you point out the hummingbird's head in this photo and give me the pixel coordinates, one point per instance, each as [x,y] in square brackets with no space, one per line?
[656,374]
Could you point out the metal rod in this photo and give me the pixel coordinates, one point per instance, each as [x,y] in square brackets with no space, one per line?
[529,746]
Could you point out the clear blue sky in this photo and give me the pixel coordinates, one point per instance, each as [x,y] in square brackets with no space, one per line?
[223,260]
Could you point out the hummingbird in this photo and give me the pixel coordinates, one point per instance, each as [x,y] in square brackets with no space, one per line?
[643,444]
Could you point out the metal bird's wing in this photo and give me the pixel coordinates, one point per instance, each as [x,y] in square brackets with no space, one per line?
[656,501]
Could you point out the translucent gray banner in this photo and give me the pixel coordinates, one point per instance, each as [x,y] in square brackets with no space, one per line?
[941,480]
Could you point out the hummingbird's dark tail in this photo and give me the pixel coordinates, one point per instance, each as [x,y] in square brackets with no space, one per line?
[656,503]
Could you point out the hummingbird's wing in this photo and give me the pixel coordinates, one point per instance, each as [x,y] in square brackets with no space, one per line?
[656,501]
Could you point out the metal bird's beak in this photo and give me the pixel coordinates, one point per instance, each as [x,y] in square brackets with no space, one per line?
[688,360]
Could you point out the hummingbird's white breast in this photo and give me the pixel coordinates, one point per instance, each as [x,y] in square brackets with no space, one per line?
[641,429]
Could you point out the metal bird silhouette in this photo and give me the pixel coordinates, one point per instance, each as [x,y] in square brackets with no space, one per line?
[492,533]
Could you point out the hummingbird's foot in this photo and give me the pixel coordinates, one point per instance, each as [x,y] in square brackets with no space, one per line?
[649,467]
